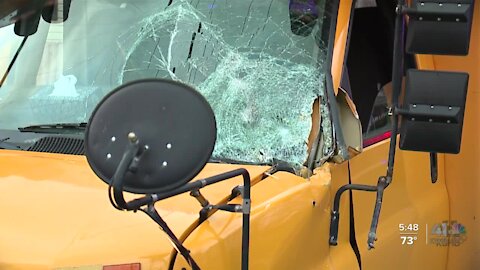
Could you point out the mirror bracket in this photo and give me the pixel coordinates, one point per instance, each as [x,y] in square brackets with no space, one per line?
[335,214]
[153,214]
[200,198]
[433,167]
[431,113]
[130,162]
[429,11]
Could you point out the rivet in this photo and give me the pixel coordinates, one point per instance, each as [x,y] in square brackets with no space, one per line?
[146,147]
[114,139]
[448,121]
[414,105]
[440,4]
[431,107]
[109,156]
[457,19]
[169,146]
[420,19]
[449,107]
[413,118]
[164,164]
[439,19]
[430,120]
[423,4]
[459,5]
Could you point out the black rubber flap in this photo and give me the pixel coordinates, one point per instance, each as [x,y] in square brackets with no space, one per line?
[440,27]
[436,92]
[173,120]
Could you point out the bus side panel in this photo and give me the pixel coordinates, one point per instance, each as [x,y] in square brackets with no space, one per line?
[462,171]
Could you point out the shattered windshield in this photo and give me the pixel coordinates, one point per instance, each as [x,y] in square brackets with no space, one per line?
[259,63]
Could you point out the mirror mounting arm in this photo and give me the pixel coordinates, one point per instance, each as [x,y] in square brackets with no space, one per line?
[433,167]
[383,183]
[128,162]
[335,215]
[200,198]
[153,214]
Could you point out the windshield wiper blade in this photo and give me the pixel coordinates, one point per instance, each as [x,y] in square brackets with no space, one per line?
[55,128]
[236,162]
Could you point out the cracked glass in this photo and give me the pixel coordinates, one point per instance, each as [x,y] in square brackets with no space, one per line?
[259,64]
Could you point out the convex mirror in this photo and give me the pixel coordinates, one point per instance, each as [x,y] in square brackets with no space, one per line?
[175,127]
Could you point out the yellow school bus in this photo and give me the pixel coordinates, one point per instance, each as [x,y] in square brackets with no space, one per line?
[261,134]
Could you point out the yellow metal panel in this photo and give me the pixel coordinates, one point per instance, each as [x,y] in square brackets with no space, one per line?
[462,171]
[410,199]
[56,213]
[88,267]
[289,229]
[342,255]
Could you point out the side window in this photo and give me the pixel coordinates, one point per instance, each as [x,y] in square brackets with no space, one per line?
[379,125]
[368,68]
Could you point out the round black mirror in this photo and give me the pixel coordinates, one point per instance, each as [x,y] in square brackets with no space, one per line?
[171,120]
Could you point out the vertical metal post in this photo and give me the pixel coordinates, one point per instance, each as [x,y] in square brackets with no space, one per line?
[397,78]
[433,167]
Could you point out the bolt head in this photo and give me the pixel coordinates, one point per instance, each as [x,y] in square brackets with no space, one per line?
[132,137]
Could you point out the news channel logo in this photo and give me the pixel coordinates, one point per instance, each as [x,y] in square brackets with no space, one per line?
[448,233]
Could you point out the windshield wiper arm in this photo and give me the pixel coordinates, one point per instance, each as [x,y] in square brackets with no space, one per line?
[55,128]
[10,66]
[8,146]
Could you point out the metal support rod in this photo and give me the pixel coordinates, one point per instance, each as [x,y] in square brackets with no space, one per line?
[433,167]
[117,180]
[153,214]
[246,220]
[372,234]
[397,78]
[335,215]
[200,198]
[137,203]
